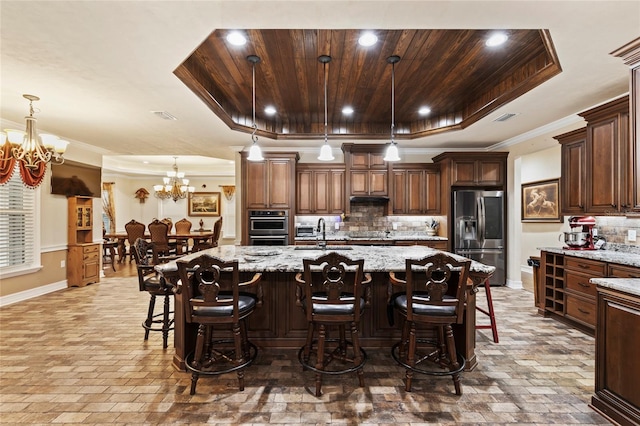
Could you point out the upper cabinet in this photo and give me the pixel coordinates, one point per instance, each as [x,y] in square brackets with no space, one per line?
[478,169]
[610,159]
[320,189]
[573,176]
[366,172]
[269,184]
[415,189]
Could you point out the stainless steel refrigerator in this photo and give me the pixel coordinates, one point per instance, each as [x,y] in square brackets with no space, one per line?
[479,229]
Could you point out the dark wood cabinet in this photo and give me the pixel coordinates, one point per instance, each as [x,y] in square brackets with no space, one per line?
[319,189]
[366,172]
[415,189]
[609,159]
[617,388]
[566,292]
[630,54]
[573,176]
[268,184]
[486,169]
[83,257]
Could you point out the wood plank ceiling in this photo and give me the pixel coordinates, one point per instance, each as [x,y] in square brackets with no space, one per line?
[452,72]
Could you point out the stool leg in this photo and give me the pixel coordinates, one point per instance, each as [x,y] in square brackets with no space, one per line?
[320,358]
[309,342]
[411,355]
[237,340]
[357,359]
[490,313]
[149,321]
[165,322]
[453,357]
[112,252]
[197,357]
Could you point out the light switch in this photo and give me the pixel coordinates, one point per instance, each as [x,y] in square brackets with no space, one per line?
[631,235]
[62,263]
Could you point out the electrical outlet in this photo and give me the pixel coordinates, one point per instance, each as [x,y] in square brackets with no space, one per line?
[595,232]
[631,235]
[62,263]
[395,226]
[336,226]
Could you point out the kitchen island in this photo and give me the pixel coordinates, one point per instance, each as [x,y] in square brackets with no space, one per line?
[280,323]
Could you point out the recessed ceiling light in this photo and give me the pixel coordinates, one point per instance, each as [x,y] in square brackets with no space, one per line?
[270,110]
[367,39]
[236,38]
[496,39]
[424,111]
[347,110]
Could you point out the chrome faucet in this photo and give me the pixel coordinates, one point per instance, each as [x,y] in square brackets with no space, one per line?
[322,227]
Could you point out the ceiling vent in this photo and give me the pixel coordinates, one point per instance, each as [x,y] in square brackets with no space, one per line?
[164,115]
[505,117]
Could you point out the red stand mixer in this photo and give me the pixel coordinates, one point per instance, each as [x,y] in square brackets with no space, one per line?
[581,236]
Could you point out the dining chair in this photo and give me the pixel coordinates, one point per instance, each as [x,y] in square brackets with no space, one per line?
[183,226]
[432,297]
[159,232]
[134,230]
[214,299]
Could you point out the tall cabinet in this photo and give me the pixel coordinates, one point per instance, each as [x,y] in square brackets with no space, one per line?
[83,258]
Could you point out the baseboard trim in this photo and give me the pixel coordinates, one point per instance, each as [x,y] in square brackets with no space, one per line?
[31,293]
[516,285]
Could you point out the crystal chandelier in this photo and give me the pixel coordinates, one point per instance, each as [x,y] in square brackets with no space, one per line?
[31,152]
[174,186]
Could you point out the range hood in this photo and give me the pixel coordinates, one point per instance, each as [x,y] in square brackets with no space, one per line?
[369,199]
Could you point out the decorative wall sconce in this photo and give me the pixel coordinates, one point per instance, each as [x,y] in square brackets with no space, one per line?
[228,191]
[142,194]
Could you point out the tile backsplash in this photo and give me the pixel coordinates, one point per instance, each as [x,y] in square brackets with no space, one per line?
[615,229]
[369,217]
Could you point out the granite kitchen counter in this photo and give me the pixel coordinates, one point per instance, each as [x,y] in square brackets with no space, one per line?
[377,237]
[281,323]
[628,257]
[289,258]
[625,285]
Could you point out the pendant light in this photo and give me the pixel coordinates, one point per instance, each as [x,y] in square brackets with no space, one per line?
[325,152]
[392,150]
[255,154]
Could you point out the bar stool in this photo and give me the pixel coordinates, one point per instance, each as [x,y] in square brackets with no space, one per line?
[489,312]
[213,298]
[149,281]
[433,296]
[332,297]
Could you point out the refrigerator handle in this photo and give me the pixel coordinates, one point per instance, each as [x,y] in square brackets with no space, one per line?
[481,221]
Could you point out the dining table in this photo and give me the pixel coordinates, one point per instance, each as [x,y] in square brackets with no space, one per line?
[198,237]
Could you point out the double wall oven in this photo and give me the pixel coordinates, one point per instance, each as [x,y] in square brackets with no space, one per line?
[268,227]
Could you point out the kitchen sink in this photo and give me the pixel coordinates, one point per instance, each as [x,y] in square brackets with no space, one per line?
[323,248]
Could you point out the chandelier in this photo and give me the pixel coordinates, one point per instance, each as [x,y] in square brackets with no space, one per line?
[174,186]
[31,152]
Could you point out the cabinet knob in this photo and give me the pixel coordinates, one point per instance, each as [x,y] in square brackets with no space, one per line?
[614,205]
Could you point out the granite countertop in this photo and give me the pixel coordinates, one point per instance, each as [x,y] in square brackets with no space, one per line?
[289,258]
[622,256]
[625,285]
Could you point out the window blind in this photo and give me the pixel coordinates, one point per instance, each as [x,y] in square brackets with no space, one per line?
[17,225]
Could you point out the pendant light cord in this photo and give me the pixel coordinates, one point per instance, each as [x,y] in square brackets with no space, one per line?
[393,97]
[254,138]
[325,102]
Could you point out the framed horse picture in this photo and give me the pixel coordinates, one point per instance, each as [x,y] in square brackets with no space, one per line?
[541,201]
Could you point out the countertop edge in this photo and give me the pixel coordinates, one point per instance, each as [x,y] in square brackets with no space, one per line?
[625,285]
[610,256]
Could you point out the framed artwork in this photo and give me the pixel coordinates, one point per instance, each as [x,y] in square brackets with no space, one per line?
[541,201]
[204,204]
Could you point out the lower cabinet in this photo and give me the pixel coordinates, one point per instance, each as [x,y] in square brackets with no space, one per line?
[617,388]
[565,292]
[580,293]
[83,265]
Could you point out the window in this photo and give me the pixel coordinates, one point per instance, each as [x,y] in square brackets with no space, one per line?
[18,225]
